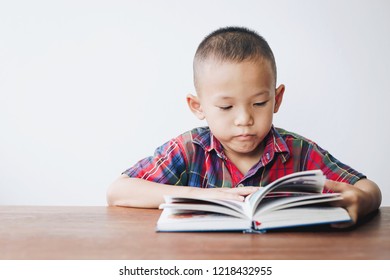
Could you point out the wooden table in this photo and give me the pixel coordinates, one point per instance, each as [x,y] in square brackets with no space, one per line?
[33,232]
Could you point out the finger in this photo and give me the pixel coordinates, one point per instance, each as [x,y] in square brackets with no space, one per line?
[244,190]
[233,196]
[334,186]
[238,194]
[342,225]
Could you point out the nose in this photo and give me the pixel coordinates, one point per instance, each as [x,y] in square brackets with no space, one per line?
[244,118]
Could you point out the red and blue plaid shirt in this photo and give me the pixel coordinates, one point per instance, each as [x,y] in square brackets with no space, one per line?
[197,159]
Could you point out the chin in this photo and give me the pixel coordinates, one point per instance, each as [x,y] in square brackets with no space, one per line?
[246,151]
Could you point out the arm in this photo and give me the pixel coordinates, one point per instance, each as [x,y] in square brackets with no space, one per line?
[360,199]
[134,192]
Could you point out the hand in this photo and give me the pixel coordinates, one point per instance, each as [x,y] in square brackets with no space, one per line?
[354,200]
[238,194]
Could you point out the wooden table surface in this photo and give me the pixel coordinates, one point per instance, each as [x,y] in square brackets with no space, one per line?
[42,232]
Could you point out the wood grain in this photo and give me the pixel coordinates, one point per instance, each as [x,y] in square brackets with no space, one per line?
[35,232]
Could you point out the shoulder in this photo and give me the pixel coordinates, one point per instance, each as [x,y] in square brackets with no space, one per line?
[289,136]
[308,155]
[198,135]
[197,131]
[193,141]
[295,143]
[187,139]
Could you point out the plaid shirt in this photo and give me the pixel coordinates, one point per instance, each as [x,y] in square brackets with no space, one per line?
[196,158]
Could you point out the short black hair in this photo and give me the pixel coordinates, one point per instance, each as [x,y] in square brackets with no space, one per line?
[234,44]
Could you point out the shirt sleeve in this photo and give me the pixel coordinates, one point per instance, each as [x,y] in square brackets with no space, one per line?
[332,168]
[166,166]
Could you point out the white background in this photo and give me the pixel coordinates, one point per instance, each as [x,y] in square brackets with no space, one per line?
[110,269]
[87,88]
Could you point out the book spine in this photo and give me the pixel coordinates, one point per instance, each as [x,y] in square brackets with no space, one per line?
[257,231]
[253,229]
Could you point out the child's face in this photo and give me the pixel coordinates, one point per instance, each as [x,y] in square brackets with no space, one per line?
[238,101]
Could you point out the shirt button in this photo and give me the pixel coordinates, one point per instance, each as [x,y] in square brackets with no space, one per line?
[267,155]
[240,185]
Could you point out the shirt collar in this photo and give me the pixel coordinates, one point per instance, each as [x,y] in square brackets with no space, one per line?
[208,142]
[274,143]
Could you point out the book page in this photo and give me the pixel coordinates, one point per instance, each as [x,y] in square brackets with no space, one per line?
[302,216]
[274,204]
[214,205]
[310,182]
[179,208]
[200,221]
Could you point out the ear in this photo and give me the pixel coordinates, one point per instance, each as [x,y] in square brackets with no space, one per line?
[278,97]
[195,107]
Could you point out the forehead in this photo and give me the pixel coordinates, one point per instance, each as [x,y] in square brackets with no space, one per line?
[213,75]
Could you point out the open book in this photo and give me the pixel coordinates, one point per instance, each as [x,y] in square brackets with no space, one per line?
[293,200]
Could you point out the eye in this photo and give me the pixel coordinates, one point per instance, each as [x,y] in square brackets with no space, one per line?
[225,108]
[260,104]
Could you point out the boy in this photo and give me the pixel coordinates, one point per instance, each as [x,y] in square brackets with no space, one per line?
[235,82]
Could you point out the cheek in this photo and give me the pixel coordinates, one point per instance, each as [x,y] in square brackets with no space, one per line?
[265,118]
[215,114]
[217,122]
